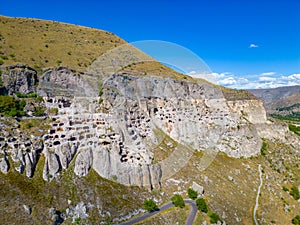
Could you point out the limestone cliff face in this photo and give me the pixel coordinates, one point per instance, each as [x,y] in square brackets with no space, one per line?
[115,133]
[19,78]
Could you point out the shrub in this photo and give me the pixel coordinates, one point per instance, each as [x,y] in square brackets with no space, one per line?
[263,148]
[192,194]
[150,205]
[29,95]
[4,57]
[285,188]
[39,112]
[201,205]
[1,62]
[10,106]
[295,193]
[178,201]
[214,218]
[296,220]
[53,111]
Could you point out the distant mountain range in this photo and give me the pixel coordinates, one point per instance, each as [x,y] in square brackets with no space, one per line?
[281,101]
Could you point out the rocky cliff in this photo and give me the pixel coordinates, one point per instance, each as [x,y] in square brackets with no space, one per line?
[109,125]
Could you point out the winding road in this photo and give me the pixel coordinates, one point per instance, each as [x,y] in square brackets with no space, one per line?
[189,220]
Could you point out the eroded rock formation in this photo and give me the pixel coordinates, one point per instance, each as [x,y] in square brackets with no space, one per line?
[109,125]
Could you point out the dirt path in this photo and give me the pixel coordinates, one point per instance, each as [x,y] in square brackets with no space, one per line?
[257,196]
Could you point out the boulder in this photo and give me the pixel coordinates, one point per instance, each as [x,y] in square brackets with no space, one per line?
[52,166]
[84,161]
[4,164]
[198,188]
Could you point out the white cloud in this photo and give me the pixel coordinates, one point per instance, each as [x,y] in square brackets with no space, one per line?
[227,81]
[252,81]
[268,74]
[266,79]
[211,77]
[253,46]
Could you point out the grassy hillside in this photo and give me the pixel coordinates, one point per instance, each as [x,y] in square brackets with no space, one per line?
[43,44]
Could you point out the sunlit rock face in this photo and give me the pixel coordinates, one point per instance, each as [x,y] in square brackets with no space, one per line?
[109,125]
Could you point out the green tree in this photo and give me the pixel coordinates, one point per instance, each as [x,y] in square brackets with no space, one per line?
[295,193]
[296,220]
[201,204]
[178,201]
[214,217]
[150,205]
[192,193]
[10,106]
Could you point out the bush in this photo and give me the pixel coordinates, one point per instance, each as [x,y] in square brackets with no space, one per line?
[1,62]
[39,112]
[263,148]
[295,193]
[53,111]
[10,106]
[201,205]
[296,220]
[4,57]
[285,188]
[150,205]
[214,218]
[192,194]
[29,95]
[178,201]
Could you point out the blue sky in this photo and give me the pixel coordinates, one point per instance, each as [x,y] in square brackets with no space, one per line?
[244,43]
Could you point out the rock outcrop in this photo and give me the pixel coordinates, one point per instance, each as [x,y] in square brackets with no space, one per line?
[109,125]
[19,79]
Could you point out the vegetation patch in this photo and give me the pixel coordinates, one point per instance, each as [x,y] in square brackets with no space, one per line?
[178,201]
[11,106]
[296,220]
[192,194]
[293,117]
[295,129]
[201,205]
[263,150]
[150,205]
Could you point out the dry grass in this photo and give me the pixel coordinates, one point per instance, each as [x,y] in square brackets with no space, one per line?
[43,44]
[153,68]
[236,197]
[16,190]
[169,217]
[233,94]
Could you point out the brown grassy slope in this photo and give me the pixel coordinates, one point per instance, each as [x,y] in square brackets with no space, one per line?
[43,44]
[232,94]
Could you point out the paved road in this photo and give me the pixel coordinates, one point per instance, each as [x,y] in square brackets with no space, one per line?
[189,220]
